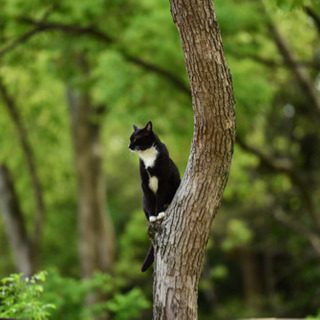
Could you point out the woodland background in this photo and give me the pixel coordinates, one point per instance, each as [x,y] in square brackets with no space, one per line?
[75,76]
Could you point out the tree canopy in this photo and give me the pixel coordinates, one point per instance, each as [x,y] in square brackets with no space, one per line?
[263,255]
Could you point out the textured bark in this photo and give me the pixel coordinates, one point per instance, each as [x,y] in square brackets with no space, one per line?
[96,237]
[181,238]
[14,224]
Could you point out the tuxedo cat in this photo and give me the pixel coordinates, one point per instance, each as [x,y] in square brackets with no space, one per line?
[160,177]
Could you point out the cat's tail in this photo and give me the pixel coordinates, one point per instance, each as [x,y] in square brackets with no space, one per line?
[148,260]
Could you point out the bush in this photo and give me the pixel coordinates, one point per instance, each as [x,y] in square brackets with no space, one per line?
[69,294]
[19,297]
[25,298]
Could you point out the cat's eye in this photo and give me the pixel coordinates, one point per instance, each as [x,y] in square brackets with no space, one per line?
[134,139]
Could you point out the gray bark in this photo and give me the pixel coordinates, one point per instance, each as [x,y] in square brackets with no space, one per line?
[14,224]
[96,235]
[181,238]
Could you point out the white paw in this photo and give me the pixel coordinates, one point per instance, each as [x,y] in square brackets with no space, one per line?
[161,215]
[152,218]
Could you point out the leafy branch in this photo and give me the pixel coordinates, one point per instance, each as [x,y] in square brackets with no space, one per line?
[42,26]
[286,167]
[19,297]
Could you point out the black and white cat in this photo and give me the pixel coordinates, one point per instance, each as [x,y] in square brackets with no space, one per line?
[160,177]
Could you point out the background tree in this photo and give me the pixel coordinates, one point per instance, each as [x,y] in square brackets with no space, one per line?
[136,70]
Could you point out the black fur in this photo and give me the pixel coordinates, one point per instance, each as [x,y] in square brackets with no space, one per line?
[163,169]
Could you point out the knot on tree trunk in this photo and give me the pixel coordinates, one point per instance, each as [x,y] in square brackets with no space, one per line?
[153,228]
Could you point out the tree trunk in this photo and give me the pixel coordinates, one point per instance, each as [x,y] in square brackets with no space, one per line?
[96,237]
[251,275]
[13,111]
[181,238]
[14,225]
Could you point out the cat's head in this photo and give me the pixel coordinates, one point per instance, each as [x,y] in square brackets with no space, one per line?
[142,138]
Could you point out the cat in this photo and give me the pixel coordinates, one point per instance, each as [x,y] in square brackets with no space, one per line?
[160,177]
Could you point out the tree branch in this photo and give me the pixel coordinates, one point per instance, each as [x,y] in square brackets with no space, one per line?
[27,35]
[67,28]
[20,40]
[41,26]
[312,237]
[286,167]
[314,17]
[28,152]
[271,63]
[300,72]
[162,72]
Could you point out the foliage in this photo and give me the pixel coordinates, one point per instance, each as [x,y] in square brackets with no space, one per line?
[274,117]
[238,235]
[129,306]
[20,297]
[30,298]
[317,316]
[69,293]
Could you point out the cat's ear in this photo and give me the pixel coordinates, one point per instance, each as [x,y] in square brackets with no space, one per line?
[135,128]
[149,126]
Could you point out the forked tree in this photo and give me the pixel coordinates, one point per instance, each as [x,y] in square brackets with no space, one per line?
[181,238]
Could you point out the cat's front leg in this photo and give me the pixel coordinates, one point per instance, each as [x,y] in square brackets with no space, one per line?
[160,205]
[153,218]
[160,216]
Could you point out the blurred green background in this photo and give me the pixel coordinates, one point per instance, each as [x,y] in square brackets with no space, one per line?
[125,57]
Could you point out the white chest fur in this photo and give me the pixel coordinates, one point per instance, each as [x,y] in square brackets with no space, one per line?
[149,156]
[153,184]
